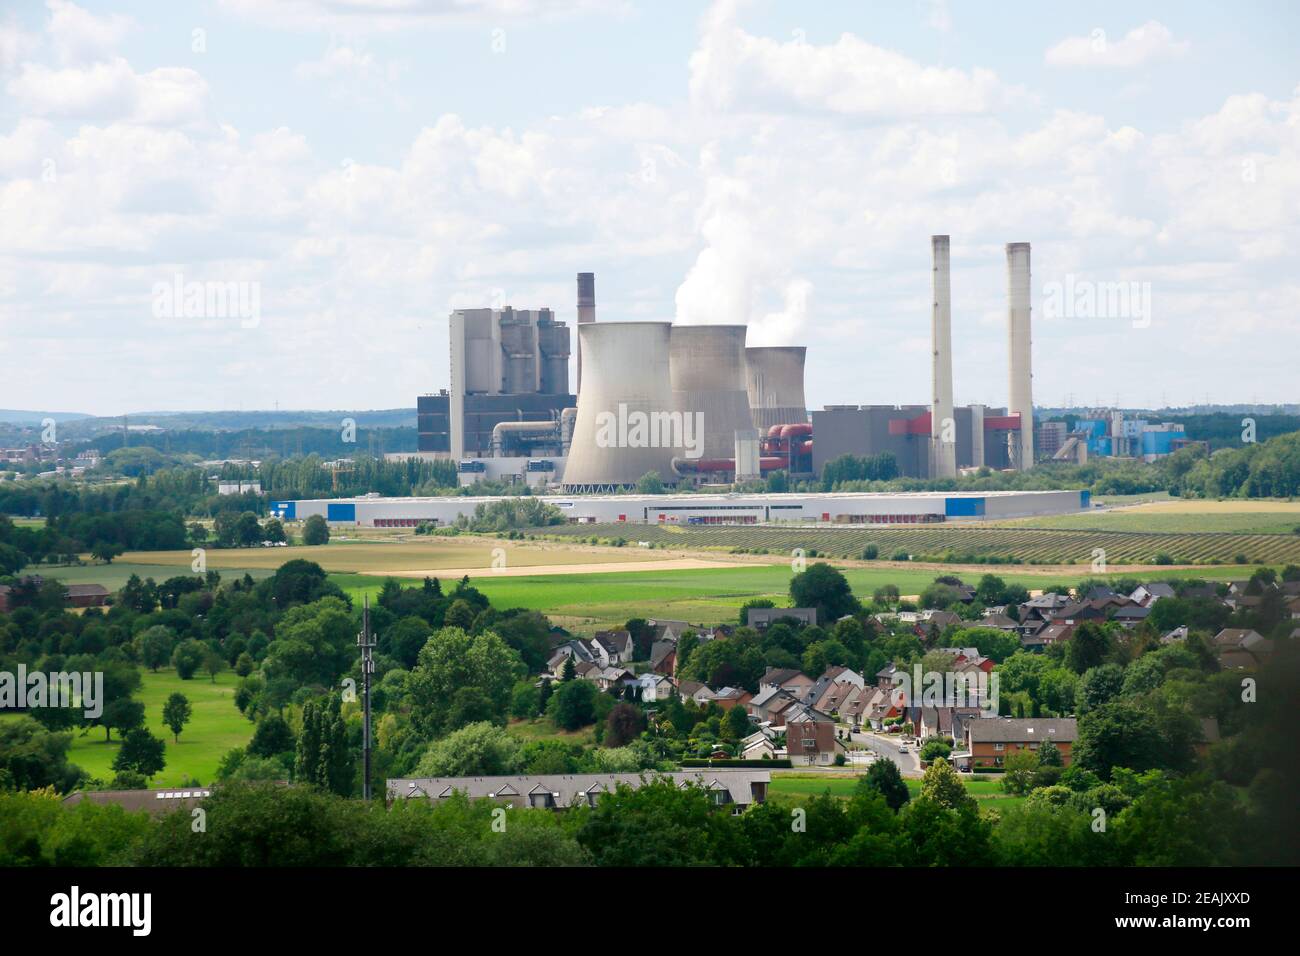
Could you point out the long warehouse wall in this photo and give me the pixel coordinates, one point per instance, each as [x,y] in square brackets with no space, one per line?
[884,508]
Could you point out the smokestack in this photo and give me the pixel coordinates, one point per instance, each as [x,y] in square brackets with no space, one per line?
[586,311]
[1018,342]
[943,426]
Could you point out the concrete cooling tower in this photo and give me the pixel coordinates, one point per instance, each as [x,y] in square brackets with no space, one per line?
[707,368]
[774,381]
[625,406]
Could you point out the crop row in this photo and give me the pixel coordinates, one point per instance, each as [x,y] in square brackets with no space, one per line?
[994,545]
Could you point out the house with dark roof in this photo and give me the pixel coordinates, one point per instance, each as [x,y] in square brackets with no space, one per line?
[734,789]
[760,617]
[154,802]
[787,678]
[810,735]
[990,741]
[1147,594]
[612,647]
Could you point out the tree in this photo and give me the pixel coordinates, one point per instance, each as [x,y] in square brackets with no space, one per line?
[1089,647]
[105,551]
[1098,686]
[273,531]
[271,737]
[154,646]
[525,700]
[322,757]
[623,724]
[452,660]
[316,531]
[825,588]
[736,724]
[650,484]
[942,785]
[1118,734]
[188,658]
[1020,765]
[141,752]
[176,714]
[884,778]
[481,749]
[934,748]
[573,705]
[213,664]
[248,531]
[32,757]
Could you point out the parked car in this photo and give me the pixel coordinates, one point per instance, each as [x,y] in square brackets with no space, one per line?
[903,749]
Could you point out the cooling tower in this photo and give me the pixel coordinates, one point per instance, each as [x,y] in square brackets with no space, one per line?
[586,311]
[707,369]
[774,381]
[943,426]
[1018,342]
[623,427]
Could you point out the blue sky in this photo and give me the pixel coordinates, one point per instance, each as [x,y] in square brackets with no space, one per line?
[367,165]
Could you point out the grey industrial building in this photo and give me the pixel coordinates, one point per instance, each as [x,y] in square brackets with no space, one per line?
[904,431]
[509,367]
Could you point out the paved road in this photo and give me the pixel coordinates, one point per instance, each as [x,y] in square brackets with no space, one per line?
[909,764]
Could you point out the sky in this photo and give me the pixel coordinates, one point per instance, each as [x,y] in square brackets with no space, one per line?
[322,181]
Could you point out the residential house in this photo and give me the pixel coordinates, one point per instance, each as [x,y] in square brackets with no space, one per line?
[1131,616]
[1052,633]
[1241,648]
[735,789]
[760,617]
[757,746]
[1147,594]
[999,621]
[612,647]
[810,736]
[888,677]
[693,690]
[989,742]
[787,678]
[154,802]
[87,595]
[663,657]
[729,697]
[770,704]
[652,687]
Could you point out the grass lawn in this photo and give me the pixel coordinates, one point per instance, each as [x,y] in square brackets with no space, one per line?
[407,554]
[812,785]
[542,728]
[588,602]
[114,576]
[215,727]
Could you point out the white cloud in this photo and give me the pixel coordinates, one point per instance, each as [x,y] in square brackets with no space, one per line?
[355,16]
[733,69]
[109,91]
[79,36]
[1145,44]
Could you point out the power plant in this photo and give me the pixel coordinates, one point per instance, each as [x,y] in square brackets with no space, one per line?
[693,404]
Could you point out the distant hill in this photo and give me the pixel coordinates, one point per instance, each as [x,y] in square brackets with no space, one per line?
[18,416]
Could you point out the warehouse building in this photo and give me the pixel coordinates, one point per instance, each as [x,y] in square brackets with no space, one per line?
[925,507]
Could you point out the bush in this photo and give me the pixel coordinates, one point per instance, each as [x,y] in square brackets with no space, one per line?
[870,552]
[1163,558]
[316,531]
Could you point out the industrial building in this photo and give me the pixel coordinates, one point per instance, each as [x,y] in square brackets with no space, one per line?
[694,509]
[694,404]
[1111,435]
[509,385]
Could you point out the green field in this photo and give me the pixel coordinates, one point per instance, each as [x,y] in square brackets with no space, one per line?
[114,576]
[959,544]
[795,785]
[215,727]
[704,596]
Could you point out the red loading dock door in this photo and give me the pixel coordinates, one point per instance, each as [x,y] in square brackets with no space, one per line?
[826,516]
[622,517]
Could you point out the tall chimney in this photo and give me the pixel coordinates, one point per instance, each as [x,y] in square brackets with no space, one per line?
[586,311]
[943,426]
[1021,399]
